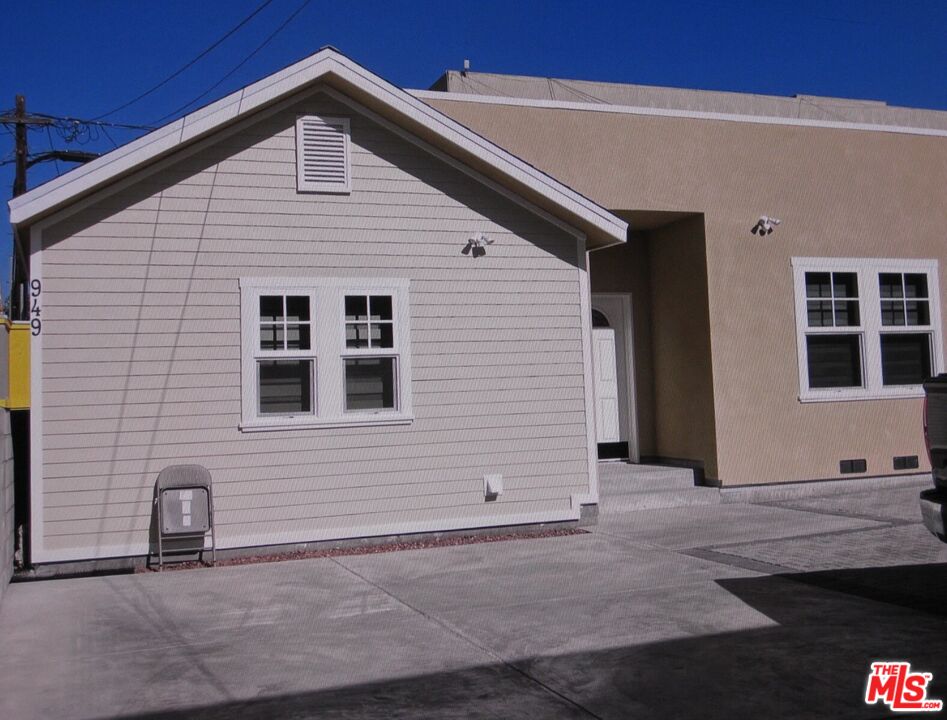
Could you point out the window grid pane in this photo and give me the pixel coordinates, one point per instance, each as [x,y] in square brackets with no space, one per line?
[369,321]
[890,285]
[917,312]
[904,299]
[839,308]
[892,312]
[820,313]
[271,308]
[846,313]
[285,322]
[915,285]
[845,285]
[356,307]
[380,307]
[271,336]
[818,285]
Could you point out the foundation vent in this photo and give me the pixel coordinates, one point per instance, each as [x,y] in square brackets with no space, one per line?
[906,462]
[858,465]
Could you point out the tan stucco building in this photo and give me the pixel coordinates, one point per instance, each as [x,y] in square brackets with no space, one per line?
[727,370]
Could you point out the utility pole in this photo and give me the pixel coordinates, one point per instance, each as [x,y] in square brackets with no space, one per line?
[21,122]
[19,115]
[21,268]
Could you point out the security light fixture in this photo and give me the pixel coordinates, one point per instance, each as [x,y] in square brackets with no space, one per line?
[476,246]
[765,225]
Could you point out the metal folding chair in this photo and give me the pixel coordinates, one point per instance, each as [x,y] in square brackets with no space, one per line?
[185,508]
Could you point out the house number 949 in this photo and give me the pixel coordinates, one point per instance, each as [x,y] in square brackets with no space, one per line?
[36,289]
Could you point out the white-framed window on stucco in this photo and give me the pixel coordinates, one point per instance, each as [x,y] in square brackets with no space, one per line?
[324,352]
[866,328]
[323,154]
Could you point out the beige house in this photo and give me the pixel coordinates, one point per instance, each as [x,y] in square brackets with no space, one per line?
[761,357]
[363,318]
[372,312]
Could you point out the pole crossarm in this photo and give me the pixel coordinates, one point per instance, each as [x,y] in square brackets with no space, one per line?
[79,156]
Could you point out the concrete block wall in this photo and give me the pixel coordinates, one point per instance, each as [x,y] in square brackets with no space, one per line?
[6,502]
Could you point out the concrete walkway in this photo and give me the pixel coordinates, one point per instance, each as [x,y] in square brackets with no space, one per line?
[716,611]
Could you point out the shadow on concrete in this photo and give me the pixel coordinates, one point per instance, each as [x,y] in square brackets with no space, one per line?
[812,663]
[922,588]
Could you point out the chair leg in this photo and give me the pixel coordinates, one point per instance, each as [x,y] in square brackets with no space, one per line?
[160,549]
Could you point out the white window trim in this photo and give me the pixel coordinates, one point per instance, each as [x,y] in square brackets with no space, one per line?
[327,332]
[870,328]
[306,186]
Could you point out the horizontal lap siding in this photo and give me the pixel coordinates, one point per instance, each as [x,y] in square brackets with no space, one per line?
[141,340]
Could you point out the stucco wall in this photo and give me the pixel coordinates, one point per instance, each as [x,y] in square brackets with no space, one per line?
[847,193]
[681,342]
[141,349]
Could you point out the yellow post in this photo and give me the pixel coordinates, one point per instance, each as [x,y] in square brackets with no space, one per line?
[17,386]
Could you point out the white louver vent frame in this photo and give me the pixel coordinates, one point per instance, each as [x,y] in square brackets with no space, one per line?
[323,162]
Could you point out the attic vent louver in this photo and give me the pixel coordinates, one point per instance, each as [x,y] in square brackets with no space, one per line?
[322,154]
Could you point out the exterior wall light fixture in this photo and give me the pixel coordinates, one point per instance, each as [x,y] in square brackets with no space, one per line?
[476,246]
[765,225]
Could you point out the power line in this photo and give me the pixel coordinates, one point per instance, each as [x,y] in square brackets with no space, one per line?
[173,75]
[49,136]
[239,65]
[106,132]
[104,123]
[71,129]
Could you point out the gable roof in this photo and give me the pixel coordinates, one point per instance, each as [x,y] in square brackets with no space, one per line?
[334,69]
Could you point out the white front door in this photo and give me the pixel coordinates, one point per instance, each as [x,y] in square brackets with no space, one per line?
[613,370]
[605,370]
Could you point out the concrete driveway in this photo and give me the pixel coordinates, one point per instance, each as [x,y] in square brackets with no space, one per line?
[718,611]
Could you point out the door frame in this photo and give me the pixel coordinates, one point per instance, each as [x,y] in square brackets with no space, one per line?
[626,324]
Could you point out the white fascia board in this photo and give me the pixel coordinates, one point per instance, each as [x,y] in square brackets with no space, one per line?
[325,62]
[603,107]
[165,139]
[86,176]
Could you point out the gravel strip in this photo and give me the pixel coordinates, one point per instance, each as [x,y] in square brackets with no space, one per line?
[366,550]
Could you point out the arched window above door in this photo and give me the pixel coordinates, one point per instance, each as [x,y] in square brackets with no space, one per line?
[599,320]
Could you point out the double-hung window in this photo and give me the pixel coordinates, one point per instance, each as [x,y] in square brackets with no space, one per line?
[284,363]
[866,328]
[907,335]
[370,366]
[325,352]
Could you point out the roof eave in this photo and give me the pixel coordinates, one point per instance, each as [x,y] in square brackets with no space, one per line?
[329,66]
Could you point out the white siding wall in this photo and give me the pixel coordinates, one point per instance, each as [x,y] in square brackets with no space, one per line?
[141,349]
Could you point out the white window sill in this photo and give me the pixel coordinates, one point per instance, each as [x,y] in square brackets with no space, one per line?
[311,423]
[906,392]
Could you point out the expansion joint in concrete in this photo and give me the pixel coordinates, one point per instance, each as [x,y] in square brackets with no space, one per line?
[471,641]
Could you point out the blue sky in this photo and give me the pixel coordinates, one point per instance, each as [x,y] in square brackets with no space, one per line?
[83,59]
